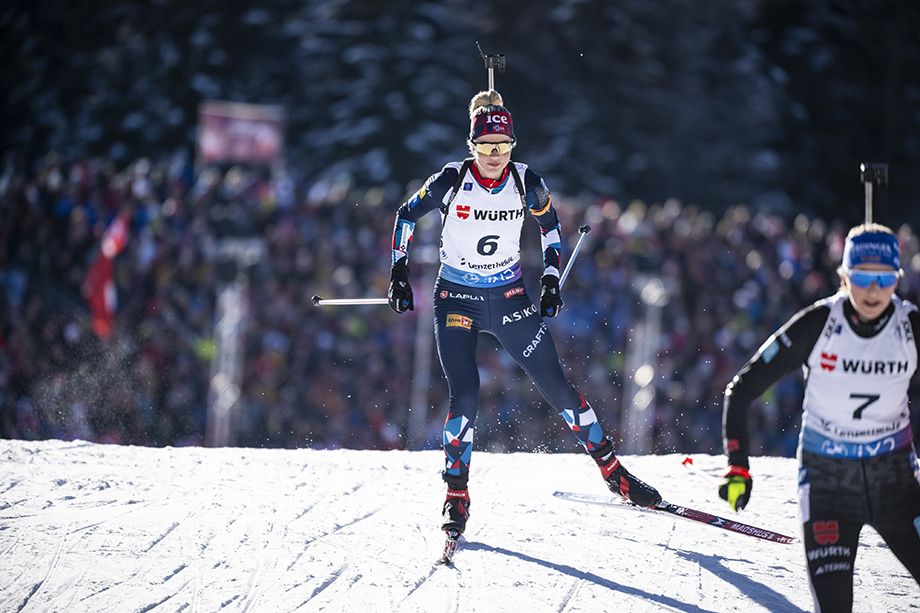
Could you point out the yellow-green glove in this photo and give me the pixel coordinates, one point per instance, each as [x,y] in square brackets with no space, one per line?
[736,488]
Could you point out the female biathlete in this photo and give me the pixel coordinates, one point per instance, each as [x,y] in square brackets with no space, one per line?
[859,350]
[483,202]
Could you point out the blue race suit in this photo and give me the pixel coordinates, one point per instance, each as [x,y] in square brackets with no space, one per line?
[480,289]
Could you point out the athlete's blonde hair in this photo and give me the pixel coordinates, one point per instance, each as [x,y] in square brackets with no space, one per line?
[866,228]
[483,99]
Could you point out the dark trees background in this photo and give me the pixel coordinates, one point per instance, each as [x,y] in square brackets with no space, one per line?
[767,102]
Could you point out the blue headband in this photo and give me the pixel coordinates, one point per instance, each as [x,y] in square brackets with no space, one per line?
[872,248]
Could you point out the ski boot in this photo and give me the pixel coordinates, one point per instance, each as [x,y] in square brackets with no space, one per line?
[622,482]
[456,510]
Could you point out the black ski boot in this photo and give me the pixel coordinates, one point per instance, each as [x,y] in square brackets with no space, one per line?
[456,511]
[622,482]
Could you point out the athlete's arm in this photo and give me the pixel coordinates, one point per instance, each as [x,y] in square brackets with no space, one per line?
[785,350]
[914,317]
[540,204]
[425,200]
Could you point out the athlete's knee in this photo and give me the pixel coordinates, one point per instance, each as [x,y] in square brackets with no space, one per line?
[558,392]
[465,401]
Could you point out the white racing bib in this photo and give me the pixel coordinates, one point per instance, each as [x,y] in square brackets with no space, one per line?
[481,237]
[856,393]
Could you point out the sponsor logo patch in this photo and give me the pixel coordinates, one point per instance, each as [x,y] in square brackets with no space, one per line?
[514,291]
[826,532]
[830,551]
[467,187]
[463,211]
[473,297]
[519,315]
[875,367]
[833,567]
[487,215]
[829,362]
[536,340]
[489,266]
[459,321]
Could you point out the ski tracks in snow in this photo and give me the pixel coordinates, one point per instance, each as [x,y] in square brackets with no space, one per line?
[68,541]
[51,567]
[573,591]
[447,574]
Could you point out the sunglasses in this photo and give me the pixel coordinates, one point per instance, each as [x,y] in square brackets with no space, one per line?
[488,148]
[865,278]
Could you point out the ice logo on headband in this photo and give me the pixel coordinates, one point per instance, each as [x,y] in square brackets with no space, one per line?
[872,248]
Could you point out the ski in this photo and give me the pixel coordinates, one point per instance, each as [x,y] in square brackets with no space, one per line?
[450,546]
[684,512]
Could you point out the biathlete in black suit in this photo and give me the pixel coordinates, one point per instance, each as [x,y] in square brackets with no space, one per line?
[483,202]
[859,350]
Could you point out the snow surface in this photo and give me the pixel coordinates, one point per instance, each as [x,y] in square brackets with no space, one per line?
[86,527]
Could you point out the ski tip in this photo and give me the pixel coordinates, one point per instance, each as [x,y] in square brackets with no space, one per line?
[687,460]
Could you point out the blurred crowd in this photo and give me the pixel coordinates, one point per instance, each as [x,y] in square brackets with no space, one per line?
[333,377]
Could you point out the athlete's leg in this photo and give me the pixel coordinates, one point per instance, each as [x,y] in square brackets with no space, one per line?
[834,509]
[520,330]
[518,327]
[456,333]
[894,492]
[830,551]
[903,537]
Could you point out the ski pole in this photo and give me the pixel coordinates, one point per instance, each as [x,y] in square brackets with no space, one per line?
[320,301]
[568,267]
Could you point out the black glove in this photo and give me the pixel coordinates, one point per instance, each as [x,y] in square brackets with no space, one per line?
[550,299]
[736,489]
[400,293]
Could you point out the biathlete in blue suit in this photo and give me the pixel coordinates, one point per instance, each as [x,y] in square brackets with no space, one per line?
[483,202]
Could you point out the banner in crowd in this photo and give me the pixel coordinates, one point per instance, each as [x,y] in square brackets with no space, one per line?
[235,132]
[99,285]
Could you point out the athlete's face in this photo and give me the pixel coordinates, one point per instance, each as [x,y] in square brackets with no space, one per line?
[491,163]
[871,301]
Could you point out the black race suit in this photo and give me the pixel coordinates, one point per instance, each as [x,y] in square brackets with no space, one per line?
[842,486]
